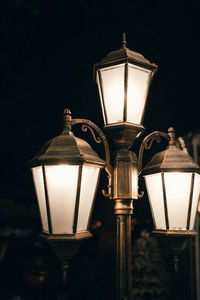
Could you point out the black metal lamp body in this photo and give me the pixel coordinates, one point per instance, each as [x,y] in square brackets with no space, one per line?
[173,185]
[123,78]
[61,171]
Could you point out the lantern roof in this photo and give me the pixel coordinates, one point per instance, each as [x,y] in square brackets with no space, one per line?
[124,54]
[66,149]
[172,159]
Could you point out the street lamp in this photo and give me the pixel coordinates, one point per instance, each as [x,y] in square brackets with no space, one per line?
[123,78]
[61,172]
[173,186]
[66,165]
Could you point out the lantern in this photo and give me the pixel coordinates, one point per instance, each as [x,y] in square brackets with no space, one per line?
[173,185]
[66,173]
[123,78]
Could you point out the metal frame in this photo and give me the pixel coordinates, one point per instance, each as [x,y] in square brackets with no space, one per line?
[124,132]
[47,201]
[170,160]
[66,148]
[78,190]
[190,201]
[165,201]
[91,209]
[125,91]
[124,55]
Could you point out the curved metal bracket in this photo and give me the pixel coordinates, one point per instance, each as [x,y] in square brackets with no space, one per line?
[147,144]
[182,144]
[87,124]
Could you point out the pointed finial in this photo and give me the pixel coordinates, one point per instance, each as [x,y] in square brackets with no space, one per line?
[171,134]
[67,120]
[124,42]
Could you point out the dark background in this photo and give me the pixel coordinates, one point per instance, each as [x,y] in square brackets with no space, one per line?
[47,52]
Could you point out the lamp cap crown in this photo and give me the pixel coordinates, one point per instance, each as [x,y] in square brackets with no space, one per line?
[171,160]
[124,54]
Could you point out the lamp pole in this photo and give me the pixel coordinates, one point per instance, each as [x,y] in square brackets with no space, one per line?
[123,75]
[124,254]
[63,168]
[124,185]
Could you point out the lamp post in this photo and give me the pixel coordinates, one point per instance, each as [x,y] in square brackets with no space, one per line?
[66,164]
[123,78]
[173,186]
[61,172]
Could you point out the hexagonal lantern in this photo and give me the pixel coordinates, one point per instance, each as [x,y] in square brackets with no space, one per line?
[66,173]
[173,185]
[123,78]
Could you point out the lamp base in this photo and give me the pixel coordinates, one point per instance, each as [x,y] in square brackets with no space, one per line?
[177,241]
[65,246]
[123,135]
[174,233]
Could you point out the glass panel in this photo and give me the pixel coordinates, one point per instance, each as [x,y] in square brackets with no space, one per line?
[178,195]
[196,192]
[113,90]
[62,188]
[101,98]
[155,194]
[39,188]
[138,83]
[89,181]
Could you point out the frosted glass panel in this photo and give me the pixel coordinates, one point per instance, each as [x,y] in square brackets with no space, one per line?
[39,188]
[62,187]
[90,177]
[196,192]
[101,98]
[178,195]
[138,82]
[155,194]
[113,87]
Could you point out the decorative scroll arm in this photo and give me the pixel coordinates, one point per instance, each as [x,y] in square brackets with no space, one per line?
[87,124]
[147,144]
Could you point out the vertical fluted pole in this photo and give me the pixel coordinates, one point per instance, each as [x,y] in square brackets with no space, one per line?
[124,257]
[124,191]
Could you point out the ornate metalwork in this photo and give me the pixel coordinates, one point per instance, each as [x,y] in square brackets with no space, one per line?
[147,144]
[85,129]
[87,124]
[182,144]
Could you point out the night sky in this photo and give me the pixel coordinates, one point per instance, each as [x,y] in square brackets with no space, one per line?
[48,49]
